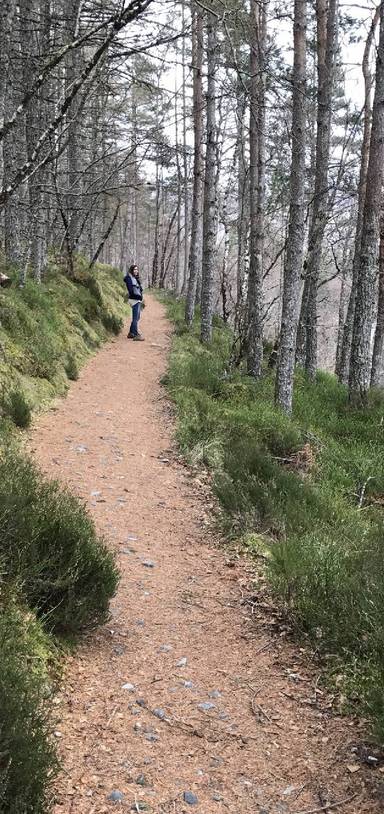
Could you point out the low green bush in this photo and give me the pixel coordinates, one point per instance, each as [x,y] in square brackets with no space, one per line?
[111,322]
[28,761]
[56,575]
[50,549]
[72,369]
[322,518]
[43,327]
[16,407]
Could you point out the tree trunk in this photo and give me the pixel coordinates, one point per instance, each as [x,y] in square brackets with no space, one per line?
[257,189]
[359,376]
[185,161]
[343,367]
[7,13]
[342,301]
[14,154]
[295,243]
[210,190]
[178,284]
[326,51]
[242,207]
[377,372]
[194,250]
[155,262]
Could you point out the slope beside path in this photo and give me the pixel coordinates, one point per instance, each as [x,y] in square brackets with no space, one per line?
[184,701]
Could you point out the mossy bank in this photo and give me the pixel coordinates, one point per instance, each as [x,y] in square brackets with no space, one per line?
[56,575]
[48,331]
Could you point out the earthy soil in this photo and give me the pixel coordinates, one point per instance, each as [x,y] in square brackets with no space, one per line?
[267,740]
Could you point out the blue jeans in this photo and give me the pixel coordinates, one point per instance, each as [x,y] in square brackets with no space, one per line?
[134,329]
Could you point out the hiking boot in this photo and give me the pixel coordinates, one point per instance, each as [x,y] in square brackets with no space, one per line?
[131,336]
[138,338]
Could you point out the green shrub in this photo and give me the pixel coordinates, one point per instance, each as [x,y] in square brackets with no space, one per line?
[90,310]
[112,323]
[71,369]
[16,407]
[324,523]
[50,548]
[28,760]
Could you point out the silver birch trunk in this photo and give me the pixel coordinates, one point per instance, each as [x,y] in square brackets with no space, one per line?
[194,250]
[377,372]
[257,189]
[243,207]
[359,374]
[295,242]
[327,19]
[343,366]
[185,161]
[210,189]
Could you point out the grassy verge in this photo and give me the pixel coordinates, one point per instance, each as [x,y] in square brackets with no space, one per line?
[56,576]
[308,490]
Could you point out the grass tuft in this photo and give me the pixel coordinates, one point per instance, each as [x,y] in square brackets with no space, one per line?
[16,407]
[312,485]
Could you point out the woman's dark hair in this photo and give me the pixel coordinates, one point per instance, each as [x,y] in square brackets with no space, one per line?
[132,268]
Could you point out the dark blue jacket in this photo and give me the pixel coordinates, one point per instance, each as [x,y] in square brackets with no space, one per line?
[135,292]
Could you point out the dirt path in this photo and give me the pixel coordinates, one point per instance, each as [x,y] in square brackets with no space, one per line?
[179,634]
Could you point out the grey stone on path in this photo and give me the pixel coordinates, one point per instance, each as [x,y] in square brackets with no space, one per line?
[214,694]
[188,685]
[140,622]
[160,713]
[129,687]
[126,551]
[119,649]
[148,563]
[216,797]
[289,790]
[141,780]
[116,797]
[190,798]
[81,448]
[151,737]
[206,706]
[182,662]
[165,648]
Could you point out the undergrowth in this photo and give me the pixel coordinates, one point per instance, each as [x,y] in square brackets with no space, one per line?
[56,576]
[28,761]
[48,331]
[309,489]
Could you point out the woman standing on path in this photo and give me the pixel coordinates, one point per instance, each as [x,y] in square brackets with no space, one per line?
[135,298]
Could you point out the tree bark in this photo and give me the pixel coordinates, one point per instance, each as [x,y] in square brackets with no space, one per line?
[194,250]
[242,207]
[359,375]
[343,366]
[210,189]
[326,51]
[346,262]
[257,189]
[295,243]
[377,372]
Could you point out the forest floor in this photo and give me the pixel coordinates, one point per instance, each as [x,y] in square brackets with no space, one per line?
[186,696]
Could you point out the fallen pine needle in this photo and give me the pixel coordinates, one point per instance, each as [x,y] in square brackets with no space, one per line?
[327,806]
